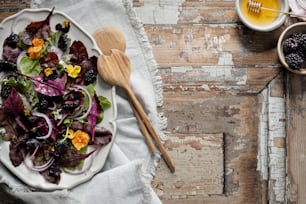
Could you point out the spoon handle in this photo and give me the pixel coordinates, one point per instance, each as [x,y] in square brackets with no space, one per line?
[150,128]
[143,129]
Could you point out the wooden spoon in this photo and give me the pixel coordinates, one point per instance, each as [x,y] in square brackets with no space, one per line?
[107,38]
[115,69]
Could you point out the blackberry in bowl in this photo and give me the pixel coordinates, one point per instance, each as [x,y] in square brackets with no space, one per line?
[291,48]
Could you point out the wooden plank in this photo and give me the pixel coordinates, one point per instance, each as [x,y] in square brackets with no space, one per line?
[209,45]
[203,12]
[10,7]
[201,170]
[272,137]
[296,142]
[218,78]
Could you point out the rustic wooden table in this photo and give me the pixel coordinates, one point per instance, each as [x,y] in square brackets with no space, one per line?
[236,119]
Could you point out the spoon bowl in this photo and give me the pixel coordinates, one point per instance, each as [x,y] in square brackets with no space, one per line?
[109,37]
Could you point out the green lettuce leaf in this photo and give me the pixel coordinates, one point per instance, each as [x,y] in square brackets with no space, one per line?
[29,66]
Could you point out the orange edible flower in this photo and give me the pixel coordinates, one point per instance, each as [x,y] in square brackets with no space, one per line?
[34,50]
[79,139]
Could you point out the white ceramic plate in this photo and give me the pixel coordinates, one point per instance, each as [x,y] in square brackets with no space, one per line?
[17,23]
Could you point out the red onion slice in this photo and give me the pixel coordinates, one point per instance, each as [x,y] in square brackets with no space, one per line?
[38,168]
[78,88]
[48,123]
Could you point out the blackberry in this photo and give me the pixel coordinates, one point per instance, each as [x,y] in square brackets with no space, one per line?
[54,171]
[12,40]
[52,77]
[42,104]
[294,60]
[6,66]
[290,45]
[90,76]
[302,42]
[5,91]
[69,106]
[61,147]
[63,43]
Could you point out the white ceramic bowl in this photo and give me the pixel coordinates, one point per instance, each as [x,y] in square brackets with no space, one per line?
[264,28]
[294,28]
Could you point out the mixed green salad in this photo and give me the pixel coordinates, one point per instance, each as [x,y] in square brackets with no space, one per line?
[49,109]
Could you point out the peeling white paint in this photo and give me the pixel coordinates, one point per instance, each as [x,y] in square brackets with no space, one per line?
[205,87]
[240,145]
[226,59]
[159,12]
[225,73]
[215,43]
[272,159]
[181,69]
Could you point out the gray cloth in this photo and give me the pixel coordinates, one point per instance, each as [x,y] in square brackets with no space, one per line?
[130,167]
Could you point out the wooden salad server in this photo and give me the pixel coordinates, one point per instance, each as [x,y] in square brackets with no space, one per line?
[107,38]
[115,69]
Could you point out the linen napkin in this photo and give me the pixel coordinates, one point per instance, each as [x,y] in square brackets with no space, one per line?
[130,166]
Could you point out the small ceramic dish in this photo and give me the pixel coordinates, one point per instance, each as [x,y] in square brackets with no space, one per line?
[294,28]
[273,25]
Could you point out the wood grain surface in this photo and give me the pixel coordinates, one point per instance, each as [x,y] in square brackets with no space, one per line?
[235,118]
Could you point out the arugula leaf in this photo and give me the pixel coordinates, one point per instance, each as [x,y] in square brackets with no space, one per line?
[104,102]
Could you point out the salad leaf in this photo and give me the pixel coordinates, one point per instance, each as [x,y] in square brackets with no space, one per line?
[79,52]
[38,29]
[30,66]
[13,104]
[49,87]
[50,59]
[93,116]
[72,158]
[9,124]
[17,152]
[11,54]
[104,102]
[24,86]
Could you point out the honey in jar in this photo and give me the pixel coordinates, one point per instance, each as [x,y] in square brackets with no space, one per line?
[264,17]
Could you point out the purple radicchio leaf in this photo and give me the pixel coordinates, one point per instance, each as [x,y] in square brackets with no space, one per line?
[17,152]
[11,54]
[79,52]
[50,87]
[13,104]
[72,157]
[93,116]
[38,29]
[103,136]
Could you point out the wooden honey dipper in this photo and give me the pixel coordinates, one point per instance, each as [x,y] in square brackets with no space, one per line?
[256,7]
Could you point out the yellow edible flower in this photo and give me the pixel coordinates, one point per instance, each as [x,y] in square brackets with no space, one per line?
[73,71]
[27,112]
[70,133]
[66,23]
[79,138]
[34,50]
[48,71]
